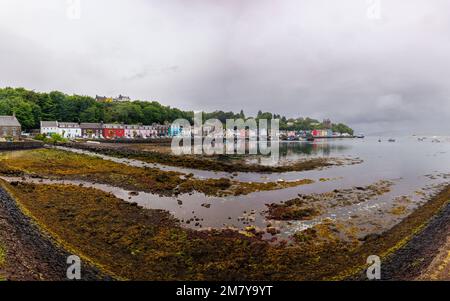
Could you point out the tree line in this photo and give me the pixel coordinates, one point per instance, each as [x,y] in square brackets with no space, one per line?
[31,107]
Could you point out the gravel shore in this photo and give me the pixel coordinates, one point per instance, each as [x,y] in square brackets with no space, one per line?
[412,260]
[30,254]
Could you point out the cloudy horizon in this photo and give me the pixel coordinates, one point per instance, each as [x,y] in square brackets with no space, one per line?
[379,68]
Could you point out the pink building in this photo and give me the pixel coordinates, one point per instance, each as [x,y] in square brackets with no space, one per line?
[291,134]
[132,131]
[147,131]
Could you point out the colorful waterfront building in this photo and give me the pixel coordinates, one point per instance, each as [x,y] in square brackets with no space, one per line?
[162,130]
[132,131]
[174,130]
[322,133]
[91,130]
[49,127]
[177,130]
[69,130]
[186,131]
[113,130]
[147,131]
[329,133]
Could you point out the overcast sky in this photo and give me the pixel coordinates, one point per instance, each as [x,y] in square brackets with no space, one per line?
[378,68]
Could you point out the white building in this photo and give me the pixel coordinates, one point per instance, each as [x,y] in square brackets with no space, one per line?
[69,130]
[122,98]
[187,131]
[49,127]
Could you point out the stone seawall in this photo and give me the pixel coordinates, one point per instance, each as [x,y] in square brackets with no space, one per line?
[134,141]
[20,145]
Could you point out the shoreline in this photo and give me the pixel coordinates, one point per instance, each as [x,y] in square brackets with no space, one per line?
[214,163]
[406,250]
[30,253]
[413,255]
[415,258]
[65,164]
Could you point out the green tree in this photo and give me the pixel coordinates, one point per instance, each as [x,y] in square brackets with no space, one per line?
[31,107]
[27,113]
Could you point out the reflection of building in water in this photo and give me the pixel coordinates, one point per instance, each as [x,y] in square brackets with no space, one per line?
[322,133]
[315,148]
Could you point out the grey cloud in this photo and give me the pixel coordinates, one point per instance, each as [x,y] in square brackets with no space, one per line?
[318,58]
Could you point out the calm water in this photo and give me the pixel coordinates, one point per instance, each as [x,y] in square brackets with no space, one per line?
[410,164]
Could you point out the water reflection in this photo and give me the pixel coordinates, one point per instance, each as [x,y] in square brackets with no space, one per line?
[316,148]
[414,166]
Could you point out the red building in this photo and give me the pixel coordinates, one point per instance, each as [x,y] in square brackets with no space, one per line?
[113,131]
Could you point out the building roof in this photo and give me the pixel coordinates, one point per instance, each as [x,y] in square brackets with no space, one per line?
[90,125]
[156,125]
[113,126]
[9,121]
[49,124]
[68,125]
[132,126]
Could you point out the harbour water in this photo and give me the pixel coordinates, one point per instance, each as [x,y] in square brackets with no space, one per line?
[415,168]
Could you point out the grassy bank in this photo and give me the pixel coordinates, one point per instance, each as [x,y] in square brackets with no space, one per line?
[136,243]
[67,165]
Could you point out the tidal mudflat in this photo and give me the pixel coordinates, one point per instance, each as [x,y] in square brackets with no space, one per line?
[62,164]
[279,224]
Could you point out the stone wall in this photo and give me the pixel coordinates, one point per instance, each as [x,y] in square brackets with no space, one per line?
[18,145]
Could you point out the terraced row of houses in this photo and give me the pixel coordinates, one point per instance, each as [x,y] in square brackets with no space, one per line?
[73,130]
[314,133]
